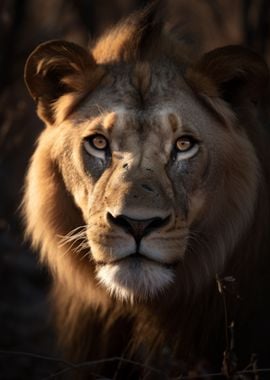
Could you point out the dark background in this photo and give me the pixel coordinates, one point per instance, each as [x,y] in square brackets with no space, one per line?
[203,24]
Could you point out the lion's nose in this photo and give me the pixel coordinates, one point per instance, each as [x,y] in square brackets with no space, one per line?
[138,228]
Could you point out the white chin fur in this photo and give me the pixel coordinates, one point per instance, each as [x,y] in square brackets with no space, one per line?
[130,279]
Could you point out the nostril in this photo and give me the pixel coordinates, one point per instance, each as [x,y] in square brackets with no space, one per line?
[138,228]
[157,223]
[119,221]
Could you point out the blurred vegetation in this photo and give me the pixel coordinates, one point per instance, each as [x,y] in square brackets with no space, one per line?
[203,24]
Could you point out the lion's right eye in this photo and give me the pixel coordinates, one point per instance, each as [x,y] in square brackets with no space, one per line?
[96,145]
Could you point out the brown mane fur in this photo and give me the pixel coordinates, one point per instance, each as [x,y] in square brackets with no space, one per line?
[186,326]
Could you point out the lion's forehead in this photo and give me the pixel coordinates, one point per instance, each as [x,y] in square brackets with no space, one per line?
[162,116]
[135,89]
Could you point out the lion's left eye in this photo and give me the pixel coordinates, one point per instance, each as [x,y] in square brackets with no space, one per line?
[186,147]
[96,145]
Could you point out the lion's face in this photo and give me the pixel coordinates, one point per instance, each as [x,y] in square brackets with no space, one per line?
[161,170]
[143,177]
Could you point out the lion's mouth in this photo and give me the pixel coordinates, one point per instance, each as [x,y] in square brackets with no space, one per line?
[137,258]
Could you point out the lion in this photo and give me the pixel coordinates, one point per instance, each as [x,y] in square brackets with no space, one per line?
[148,199]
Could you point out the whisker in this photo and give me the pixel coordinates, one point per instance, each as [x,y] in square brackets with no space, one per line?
[73,237]
[72,232]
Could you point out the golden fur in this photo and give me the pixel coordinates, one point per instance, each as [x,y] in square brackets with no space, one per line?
[208,210]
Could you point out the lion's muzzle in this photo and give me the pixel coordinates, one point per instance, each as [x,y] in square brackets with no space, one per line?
[138,228]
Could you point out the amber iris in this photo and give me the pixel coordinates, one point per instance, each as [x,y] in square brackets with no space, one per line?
[183,144]
[99,142]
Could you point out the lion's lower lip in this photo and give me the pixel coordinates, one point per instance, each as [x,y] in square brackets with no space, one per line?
[136,257]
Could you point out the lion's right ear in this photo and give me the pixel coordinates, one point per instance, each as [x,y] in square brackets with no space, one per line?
[233,73]
[58,68]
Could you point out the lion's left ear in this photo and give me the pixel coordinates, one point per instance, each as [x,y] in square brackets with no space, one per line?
[233,73]
[57,68]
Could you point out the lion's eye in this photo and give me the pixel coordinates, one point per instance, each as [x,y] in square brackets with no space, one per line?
[186,147]
[96,145]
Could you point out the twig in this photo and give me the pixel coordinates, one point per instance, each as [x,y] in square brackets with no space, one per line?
[72,366]
[103,361]
[36,356]
[229,357]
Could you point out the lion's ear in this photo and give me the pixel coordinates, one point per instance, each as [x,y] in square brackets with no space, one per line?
[233,73]
[56,68]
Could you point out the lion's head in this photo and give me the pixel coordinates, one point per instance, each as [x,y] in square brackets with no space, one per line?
[145,167]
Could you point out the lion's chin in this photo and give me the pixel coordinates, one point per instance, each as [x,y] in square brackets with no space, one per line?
[134,280]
